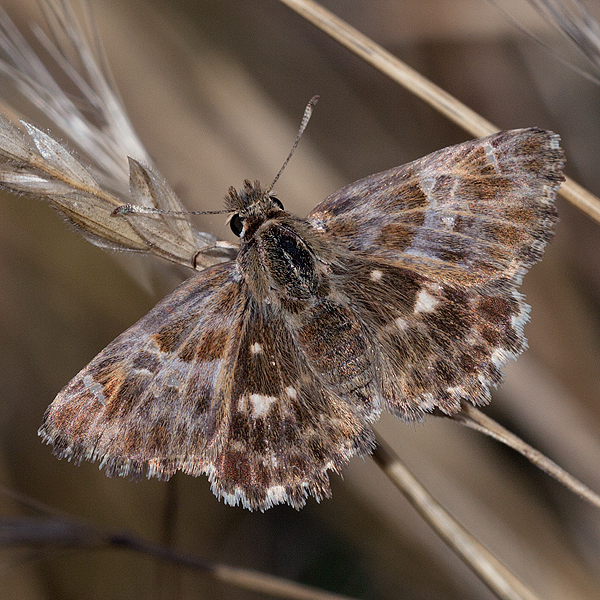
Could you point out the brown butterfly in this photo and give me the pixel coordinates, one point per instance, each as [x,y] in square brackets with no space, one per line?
[398,293]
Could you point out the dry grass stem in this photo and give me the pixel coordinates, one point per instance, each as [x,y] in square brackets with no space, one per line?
[475,555]
[116,169]
[413,81]
[575,22]
[242,578]
[475,419]
[57,529]
[392,67]
[267,584]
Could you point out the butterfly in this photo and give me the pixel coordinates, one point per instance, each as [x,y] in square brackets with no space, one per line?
[396,293]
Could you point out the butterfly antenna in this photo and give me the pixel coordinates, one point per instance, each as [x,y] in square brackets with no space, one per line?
[128,209]
[305,119]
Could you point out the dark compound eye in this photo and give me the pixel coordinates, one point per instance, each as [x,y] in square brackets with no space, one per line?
[277,202]
[236,224]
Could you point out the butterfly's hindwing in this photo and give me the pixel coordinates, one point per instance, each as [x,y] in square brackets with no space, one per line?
[437,345]
[283,429]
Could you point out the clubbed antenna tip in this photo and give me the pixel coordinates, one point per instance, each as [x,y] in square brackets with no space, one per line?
[305,119]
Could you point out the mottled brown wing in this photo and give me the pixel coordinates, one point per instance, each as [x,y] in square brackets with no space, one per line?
[435,344]
[479,213]
[208,382]
[282,428]
[437,250]
[146,403]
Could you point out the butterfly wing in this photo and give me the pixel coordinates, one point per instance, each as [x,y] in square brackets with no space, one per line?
[478,213]
[435,344]
[208,382]
[437,250]
[282,429]
[146,402]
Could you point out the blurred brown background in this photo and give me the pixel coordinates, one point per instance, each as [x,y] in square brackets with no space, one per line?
[216,91]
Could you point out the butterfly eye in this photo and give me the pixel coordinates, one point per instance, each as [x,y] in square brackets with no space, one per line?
[277,202]
[236,224]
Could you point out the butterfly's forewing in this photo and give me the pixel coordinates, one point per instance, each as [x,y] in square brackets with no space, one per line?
[438,249]
[478,213]
[147,401]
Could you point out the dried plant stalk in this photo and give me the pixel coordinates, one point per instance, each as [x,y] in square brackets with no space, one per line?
[474,554]
[116,169]
[475,419]
[57,529]
[413,81]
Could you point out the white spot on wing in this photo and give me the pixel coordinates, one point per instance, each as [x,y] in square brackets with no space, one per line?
[376,275]
[401,323]
[427,184]
[500,357]
[457,391]
[271,461]
[448,221]
[428,401]
[425,302]
[261,404]
[319,223]
[256,348]
[277,494]
[491,156]
[291,392]
[95,388]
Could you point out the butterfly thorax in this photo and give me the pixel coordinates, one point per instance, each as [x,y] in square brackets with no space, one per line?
[276,260]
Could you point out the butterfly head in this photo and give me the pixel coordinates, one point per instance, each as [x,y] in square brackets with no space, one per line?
[250,208]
